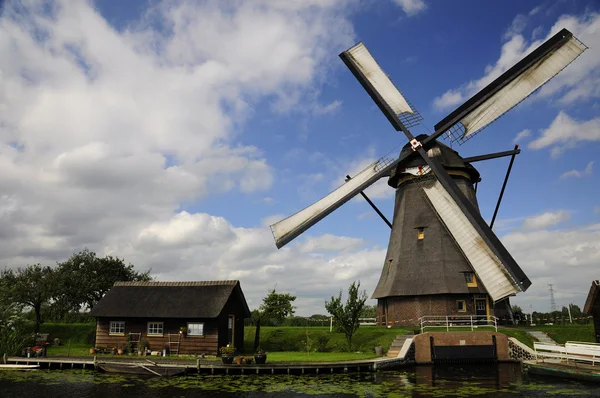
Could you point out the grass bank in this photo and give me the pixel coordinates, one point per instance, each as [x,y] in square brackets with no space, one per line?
[294,338]
[568,332]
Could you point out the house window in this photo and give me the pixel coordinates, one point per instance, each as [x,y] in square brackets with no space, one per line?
[461,305]
[470,279]
[195,329]
[155,328]
[117,327]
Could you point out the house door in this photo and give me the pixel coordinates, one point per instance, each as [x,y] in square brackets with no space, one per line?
[230,329]
[481,310]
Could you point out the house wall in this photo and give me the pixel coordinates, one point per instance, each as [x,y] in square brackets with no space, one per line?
[232,307]
[406,310]
[188,345]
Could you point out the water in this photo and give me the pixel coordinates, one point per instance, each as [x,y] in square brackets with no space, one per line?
[422,381]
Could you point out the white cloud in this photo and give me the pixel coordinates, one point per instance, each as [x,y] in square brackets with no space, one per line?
[521,135]
[565,133]
[104,133]
[332,107]
[200,246]
[449,99]
[516,27]
[411,7]
[535,10]
[578,174]
[579,81]
[549,256]
[546,220]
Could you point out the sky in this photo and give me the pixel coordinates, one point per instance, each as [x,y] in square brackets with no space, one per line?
[173,133]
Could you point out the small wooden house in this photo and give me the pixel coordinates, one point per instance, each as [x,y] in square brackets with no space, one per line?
[592,307]
[185,317]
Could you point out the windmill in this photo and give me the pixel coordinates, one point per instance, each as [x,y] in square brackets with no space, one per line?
[442,257]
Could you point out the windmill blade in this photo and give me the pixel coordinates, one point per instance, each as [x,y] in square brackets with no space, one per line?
[497,278]
[377,83]
[289,228]
[512,87]
[492,263]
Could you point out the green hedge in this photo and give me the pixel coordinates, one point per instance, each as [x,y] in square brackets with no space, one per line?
[82,333]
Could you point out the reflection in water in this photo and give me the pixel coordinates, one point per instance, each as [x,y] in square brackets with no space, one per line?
[422,381]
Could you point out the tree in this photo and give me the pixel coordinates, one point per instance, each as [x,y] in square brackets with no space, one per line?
[275,306]
[85,278]
[369,311]
[31,286]
[518,315]
[346,317]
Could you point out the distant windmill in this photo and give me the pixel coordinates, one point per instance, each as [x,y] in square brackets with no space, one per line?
[442,258]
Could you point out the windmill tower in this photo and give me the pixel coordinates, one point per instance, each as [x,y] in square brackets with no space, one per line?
[442,258]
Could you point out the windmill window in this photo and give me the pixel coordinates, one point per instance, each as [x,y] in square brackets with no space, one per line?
[461,305]
[470,279]
[421,233]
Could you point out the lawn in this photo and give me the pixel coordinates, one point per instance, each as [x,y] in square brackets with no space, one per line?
[294,338]
[569,332]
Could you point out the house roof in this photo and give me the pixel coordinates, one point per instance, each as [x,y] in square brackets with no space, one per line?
[593,299]
[202,299]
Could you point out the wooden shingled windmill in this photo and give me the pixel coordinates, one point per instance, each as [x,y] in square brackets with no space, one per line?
[442,257]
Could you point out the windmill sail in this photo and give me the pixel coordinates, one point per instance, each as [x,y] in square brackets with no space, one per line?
[512,87]
[289,228]
[379,86]
[497,276]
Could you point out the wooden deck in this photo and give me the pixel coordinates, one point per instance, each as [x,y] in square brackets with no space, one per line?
[217,367]
[557,368]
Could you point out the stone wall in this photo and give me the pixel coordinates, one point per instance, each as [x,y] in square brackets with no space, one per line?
[423,345]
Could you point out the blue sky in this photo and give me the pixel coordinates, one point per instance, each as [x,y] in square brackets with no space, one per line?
[194,125]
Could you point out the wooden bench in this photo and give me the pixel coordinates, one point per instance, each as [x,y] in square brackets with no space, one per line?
[584,352]
[549,351]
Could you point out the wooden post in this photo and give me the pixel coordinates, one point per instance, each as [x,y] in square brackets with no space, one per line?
[4,358]
[69,348]
[95,362]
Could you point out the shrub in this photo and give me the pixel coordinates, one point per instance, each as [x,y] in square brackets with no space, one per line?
[322,340]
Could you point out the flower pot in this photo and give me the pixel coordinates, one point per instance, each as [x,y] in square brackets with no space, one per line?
[238,360]
[260,359]
[120,351]
[379,351]
[92,351]
[227,359]
[248,360]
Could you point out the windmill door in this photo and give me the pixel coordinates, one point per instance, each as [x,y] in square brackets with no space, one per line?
[481,309]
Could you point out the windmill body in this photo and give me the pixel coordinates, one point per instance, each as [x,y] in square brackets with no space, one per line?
[443,258]
[425,272]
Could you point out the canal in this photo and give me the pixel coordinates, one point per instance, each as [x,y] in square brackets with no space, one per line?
[422,381]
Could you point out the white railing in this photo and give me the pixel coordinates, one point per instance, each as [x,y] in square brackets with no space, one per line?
[574,351]
[367,321]
[458,321]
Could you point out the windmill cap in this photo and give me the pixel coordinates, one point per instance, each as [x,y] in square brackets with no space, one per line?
[447,156]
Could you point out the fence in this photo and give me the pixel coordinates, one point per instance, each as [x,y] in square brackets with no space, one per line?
[457,321]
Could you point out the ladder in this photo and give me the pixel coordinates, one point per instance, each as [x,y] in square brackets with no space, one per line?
[174,340]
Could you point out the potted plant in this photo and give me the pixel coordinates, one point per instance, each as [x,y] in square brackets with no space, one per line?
[92,351]
[227,354]
[248,360]
[183,331]
[260,356]
[238,360]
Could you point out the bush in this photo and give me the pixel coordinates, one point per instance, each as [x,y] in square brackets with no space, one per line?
[322,340]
